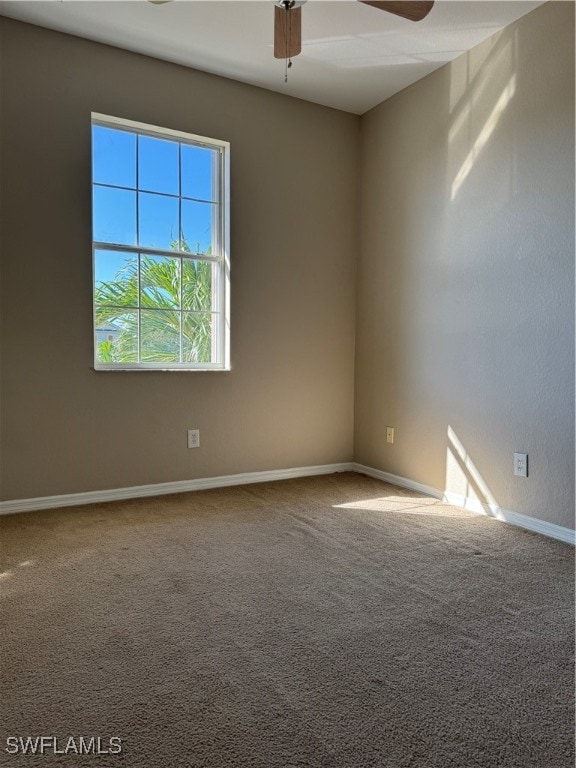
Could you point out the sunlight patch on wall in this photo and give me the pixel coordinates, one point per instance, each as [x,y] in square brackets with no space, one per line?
[480,85]
[484,135]
[463,478]
[461,78]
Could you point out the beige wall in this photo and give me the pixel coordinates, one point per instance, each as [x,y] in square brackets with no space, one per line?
[465,323]
[288,400]
[465,290]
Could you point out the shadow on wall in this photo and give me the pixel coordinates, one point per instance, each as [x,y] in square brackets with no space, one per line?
[438,334]
[465,303]
[482,173]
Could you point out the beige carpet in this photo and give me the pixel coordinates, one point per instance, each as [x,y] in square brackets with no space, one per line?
[334,621]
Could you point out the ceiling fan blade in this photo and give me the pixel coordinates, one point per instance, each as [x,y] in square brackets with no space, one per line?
[287,32]
[414,11]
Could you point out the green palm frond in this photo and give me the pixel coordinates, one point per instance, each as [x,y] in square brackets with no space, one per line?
[175,304]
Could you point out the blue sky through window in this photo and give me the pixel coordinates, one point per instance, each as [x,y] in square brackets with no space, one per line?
[158,165]
[113,157]
[161,169]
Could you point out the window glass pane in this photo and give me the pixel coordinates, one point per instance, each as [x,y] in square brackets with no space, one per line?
[116,335]
[114,216]
[113,157]
[158,221]
[197,176]
[158,165]
[197,226]
[160,336]
[196,285]
[159,282]
[156,192]
[197,337]
[115,279]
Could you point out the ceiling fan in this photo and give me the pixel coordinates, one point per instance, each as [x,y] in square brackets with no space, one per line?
[288,20]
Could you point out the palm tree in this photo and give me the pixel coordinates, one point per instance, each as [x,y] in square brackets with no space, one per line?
[174,296]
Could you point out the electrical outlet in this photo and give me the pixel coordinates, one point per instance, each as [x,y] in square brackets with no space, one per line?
[389,434]
[521,464]
[193,438]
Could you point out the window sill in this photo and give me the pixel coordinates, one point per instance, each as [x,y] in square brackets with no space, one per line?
[113,369]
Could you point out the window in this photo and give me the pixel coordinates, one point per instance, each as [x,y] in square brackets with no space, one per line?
[160,248]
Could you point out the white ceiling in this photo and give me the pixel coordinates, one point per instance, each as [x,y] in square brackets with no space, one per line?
[353,56]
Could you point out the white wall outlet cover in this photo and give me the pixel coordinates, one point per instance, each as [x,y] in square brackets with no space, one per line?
[193,438]
[521,464]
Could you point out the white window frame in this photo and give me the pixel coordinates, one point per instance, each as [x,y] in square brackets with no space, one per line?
[221,257]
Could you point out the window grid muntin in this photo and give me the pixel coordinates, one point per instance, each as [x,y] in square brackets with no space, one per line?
[219,275]
[216,210]
[154,192]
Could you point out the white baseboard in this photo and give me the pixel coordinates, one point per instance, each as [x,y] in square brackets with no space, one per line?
[551,530]
[402,482]
[162,489]
[182,486]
